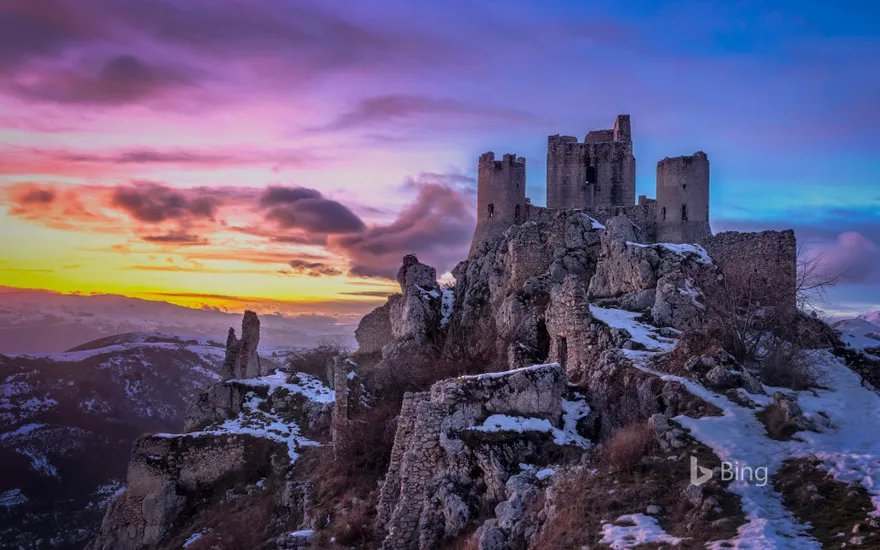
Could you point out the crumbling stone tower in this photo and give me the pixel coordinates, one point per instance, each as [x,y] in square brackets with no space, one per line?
[601,171]
[683,199]
[501,196]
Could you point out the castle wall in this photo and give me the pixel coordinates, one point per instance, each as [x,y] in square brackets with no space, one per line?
[768,259]
[567,173]
[615,168]
[683,199]
[501,196]
[601,171]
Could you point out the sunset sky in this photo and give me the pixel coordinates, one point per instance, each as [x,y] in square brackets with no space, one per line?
[289,153]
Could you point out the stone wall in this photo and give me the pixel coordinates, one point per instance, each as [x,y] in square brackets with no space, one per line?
[768,259]
[601,171]
[683,199]
[501,195]
[374,330]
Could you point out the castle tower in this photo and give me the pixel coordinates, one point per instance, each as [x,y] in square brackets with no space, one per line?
[683,199]
[501,196]
[601,171]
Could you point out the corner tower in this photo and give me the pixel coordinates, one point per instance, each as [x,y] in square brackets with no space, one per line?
[501,196]
[683,199]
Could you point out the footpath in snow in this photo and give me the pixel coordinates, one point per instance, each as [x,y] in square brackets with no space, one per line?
[849,449]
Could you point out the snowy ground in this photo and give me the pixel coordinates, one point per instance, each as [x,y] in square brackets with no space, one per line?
[849,449]
[259,420]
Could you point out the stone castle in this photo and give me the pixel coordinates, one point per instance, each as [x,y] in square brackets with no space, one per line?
[597,176]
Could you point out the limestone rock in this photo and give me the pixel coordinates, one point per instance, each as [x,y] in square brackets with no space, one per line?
[439,460]
[504,289]
[242,359]
[663,277]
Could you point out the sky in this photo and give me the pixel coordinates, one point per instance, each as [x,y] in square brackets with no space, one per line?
[285,155]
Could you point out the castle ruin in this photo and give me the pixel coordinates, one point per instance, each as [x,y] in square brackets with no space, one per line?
[597,176]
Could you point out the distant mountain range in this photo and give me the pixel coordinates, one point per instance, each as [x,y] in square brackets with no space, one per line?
[68,420]
[39,321]
[862,332]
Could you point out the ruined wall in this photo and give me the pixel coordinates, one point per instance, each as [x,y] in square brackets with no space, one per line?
[601,171]
[567,173]
[683,199]
[374,330]
[768,258]
[501,196]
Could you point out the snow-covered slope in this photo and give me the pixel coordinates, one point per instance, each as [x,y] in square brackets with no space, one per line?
[33,321]
[841,410]
[871,317]
[67,422]
[860,332]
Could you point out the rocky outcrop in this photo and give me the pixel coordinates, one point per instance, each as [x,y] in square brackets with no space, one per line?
[168,476]
[415,316]
[504,289]
[458,445]
[665,278]
[623,395]
[242,359]
[240,432]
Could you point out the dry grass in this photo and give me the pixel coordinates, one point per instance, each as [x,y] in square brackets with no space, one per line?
[828,506]
[584,499]
[626,448]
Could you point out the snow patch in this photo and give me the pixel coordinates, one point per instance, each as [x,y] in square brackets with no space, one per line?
[686,251]
[636,529]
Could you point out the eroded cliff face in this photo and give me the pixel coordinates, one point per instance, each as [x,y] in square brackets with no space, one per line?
[503,291]
[458,446]
[665,278]
[241,435]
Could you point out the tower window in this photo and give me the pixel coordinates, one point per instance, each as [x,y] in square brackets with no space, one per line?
[491,210]
[684,212]
[591,174]
[516,214]
[684,186]
[663,213]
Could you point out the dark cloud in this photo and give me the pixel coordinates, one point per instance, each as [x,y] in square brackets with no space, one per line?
[149,156]
[381,110]
[285,195]
[176,238]
[153,203]
[37,196]
[370,293]
[307,210]
[45,28]
[121,79]
[437,225]
[312,269]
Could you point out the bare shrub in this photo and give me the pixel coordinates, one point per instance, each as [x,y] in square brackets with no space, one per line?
[626,448]
[763,325]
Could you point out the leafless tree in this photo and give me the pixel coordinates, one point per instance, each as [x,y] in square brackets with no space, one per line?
[766,324]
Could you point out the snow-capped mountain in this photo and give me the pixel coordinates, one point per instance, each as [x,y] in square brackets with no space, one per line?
[862,332]
[67,422]
[871,317]
[38,321]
